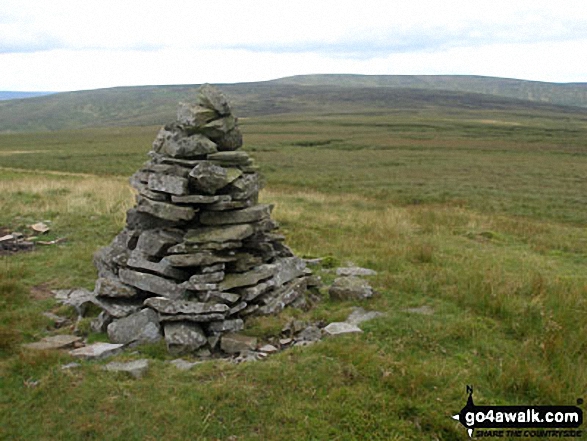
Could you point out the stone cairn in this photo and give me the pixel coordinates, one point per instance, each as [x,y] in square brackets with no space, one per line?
[198,254]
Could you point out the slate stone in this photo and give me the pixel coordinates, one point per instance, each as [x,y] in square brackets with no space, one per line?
[136,369]
[195,248]
[244,216]
[237,308]
[284,296]
[339,328]
[156,242]
[97,351]
[164,210]
[207,278]
[247,279]
[168,184]
[288,268]
[184,337]
[198,259]
[199,199]
[195,116]
[228,205]
[350,288]
[234,325]
[166,306]
[212,98]
[140,327]
[78,298]
[355,271]
[110,287]
[119,308]
[209,178]
[163,268]
[193,146]
[236,343]
[197,318]
[245,187]
[219,297]
[219,234]
[218,128]
[152,283]
[229,141]
[139,221]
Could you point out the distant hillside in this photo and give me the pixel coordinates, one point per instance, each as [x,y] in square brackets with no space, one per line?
[20,95]
[566,94]
[149,105]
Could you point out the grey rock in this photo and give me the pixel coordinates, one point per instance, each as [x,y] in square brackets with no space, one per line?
[195,248]
[209,178]
[166,306]
[244,262]
[156,242]
[288,268]
[194,116]
[339,328]
[97,351]
[237,308]
[78,298]
[183,337]
[139,221]
[219,297]
[168,184]
[247,279]
[141,327]
[163,268]
[193,146]
[252,292]
[236,343]
[229,205]
[110,287]
[359,315]
[311,333]
[164,210]
[211,98]
[247,215]
[54,342]
[230,158]
[219,234]
[152,283]
[136,369]
[226,326]
[100,323]
[284,296]
[197,259]
[118,308]
[231,140]
[245,187]
[207,278]
[197,318]
[70,366]
[269,349]
[355,271]
[218,128]
[350,288]
[199,199]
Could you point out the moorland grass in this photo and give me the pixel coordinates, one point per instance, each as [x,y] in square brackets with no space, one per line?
[486,231]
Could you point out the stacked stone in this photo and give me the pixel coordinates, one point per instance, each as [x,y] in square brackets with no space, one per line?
[198,254]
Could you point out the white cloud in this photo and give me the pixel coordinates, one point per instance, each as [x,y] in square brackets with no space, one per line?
[100,43]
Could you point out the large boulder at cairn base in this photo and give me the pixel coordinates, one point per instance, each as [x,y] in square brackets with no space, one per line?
[198,255]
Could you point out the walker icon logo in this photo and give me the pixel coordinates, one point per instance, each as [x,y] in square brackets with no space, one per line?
[513,418]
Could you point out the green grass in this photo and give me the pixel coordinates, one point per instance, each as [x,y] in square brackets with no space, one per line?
[479,215]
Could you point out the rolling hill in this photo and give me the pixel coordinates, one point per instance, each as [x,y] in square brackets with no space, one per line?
[149,105]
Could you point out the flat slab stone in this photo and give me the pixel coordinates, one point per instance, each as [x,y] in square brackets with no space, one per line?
[136,369]
[199,199]
[138,261]
[339,328]
[141,327]
[350,288]
[54,342]
[219,234]
[164,210]
[182,337]
[110,287]
[167,306]
[79,298]
[288,268]
[232,157]
[355,271]
[284,296]
[97,351]
[156,242]
[118,308]
[151,283]
[226,326]
[236,343]
[255,213]
[175,185]
[247,279]
[198,259]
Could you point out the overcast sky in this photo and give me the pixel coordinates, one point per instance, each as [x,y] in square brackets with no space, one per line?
[58,45]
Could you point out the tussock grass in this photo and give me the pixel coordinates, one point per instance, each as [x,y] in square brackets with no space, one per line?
[483,225]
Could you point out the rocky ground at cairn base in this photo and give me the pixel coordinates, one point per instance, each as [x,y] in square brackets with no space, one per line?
[199,254]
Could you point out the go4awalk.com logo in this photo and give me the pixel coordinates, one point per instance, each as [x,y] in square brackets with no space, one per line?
[520,421]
